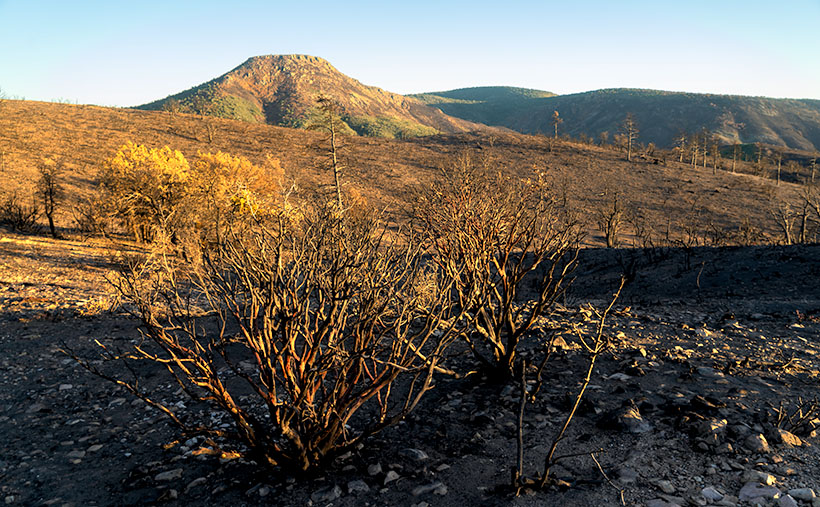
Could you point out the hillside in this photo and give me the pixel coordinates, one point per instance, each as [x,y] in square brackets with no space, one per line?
[282,90]
[661,116]
[491,105]
[671,200]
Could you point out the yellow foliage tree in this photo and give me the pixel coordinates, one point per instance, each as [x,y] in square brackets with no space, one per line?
[145,187]
[155,189]
[224,186]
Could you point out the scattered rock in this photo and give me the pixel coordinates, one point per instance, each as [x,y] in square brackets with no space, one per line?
[170,475]
[374,469]
[711,494]
[94,448]
[414,454]
[752,491]
[390,477]
[759,477]
[76,454]
[326,494]
[665,486]
[195,483]
[805,494]
[37,408]
[168,495]
[786,501]
[626,418]
[357,486]
[659,502]
[787,438]
[756,443]
[437,488]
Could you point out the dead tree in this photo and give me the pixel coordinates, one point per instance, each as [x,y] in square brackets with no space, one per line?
[630,131]
[328,120]
[556,120]
[50,191]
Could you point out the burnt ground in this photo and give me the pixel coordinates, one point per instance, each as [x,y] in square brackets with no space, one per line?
[709,343]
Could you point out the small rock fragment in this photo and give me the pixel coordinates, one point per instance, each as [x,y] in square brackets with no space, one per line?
[374,469]
[437,488]
[414,454]
[759,477]
[170,475]
[756,443]
[753,490]
[357,486]
[711,494]
[195,483]
[390,477]
[327,494]
[786,501]
[788,439]
[805,494]
[665,486]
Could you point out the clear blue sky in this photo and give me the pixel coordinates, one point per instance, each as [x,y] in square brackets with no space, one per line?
[127,53]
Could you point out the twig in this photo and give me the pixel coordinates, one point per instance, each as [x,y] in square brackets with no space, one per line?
[519,470]
[600,469]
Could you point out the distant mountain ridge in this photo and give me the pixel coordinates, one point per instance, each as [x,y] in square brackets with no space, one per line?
[282,90]
[661,116]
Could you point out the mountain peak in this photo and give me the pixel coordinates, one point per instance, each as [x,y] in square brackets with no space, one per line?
[282,90]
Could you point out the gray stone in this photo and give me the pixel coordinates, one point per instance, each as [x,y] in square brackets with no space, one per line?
[357,486]
[390,477]
[437,488]
[712,427]
[195,483]
[756,443]
[786,501]
[326,494]
[374,469]
[658,502]
[711,494]
[805,494]
[414,454]
[630,419]
[37,407]
[788,439]
[76,454]
[665,486]
[759,477]
[94,448]
[170,475]
[753,490]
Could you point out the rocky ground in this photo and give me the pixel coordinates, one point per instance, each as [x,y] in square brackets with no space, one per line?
[710,343]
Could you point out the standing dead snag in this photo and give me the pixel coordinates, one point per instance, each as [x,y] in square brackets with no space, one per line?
[490,233]
[297,331]
[329,121]
[630,131]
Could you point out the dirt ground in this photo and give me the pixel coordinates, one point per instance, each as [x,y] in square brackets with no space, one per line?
[710,342]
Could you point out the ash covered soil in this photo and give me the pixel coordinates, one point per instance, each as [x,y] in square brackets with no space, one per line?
[710,342]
